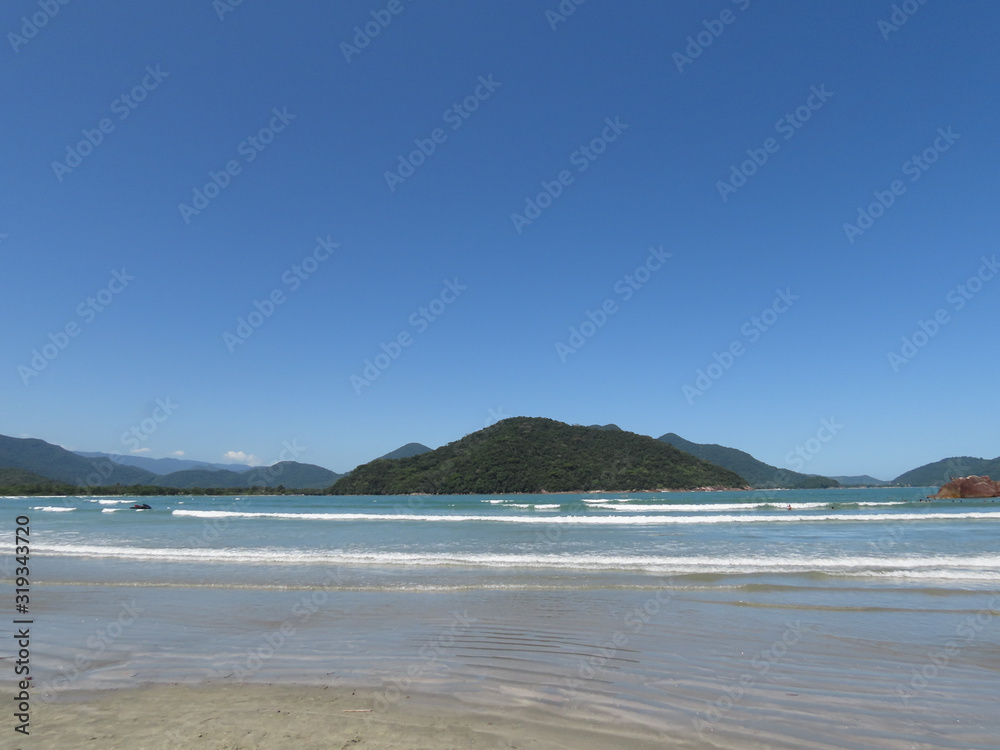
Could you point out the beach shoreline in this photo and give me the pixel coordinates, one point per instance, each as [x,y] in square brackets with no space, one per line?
[639,625]
[273,717]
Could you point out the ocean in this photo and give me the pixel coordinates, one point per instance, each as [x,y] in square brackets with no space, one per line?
[847,618]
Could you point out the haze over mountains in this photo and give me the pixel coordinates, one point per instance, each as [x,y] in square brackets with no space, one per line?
[162,465]
[60,465]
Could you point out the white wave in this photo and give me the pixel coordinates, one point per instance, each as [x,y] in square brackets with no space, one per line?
[110,510]
[986,567]
[712,507]
[52,509]
[109,501]
[939,574]
[616,520]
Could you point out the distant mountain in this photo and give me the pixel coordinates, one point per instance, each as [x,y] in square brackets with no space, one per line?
[759,474]
[59,464]
[50,463]
[162,465]
[296,476]
[206,478]
[940,472]
[408,450]
[531,454]
[288,474]
[861,481]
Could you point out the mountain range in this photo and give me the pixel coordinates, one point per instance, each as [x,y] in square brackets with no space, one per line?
[759,474]
[162,465]
[534,455]
[56,464]
[29,462]
[940,472]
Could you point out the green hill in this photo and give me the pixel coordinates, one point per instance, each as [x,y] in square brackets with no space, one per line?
[61,465]
[288,474]
[293,475]
[530,454]
[10,477]
[759,474]
[860,481]
[51,465]
[410,449]
[21,482]
[205,478]
[938,473]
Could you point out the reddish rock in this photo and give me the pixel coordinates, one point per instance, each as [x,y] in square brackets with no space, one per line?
[968,487]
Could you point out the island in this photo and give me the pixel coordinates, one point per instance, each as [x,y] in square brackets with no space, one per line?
[537,455]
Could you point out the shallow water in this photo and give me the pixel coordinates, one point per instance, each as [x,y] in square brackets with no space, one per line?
[871,624]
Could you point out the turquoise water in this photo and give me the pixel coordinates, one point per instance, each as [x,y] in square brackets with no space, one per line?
[856,535]
[851,619]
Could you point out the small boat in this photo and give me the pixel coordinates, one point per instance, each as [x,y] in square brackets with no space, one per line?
[141,506]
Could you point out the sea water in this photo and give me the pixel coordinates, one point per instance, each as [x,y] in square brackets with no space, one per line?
[771,614]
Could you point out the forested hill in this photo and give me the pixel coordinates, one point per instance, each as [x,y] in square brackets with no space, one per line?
[532,454]
[759,474]
[938,473]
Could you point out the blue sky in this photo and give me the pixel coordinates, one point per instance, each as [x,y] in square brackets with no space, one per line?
[473,182]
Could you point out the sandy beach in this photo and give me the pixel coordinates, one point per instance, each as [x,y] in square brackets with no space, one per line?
[270,717]
[722,625]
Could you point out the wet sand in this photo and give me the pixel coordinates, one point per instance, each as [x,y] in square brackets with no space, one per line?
[704,665]
[266,717]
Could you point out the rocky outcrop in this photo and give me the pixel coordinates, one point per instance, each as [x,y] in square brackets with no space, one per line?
[971,486]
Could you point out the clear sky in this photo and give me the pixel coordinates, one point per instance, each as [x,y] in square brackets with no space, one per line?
[220,222]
